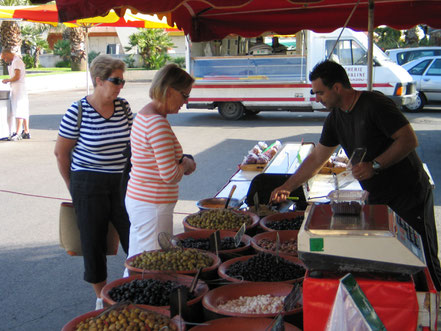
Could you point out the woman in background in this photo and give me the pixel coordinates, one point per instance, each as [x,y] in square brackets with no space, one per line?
[157,160]
[90,159]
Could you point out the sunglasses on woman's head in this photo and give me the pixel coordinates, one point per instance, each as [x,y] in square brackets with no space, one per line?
[116,80]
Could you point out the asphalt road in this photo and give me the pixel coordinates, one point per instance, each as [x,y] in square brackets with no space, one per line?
[41,286]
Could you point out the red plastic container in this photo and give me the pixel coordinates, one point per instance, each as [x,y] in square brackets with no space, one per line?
[225,265]
[278,217]
[207,273]
[71,325]
[241,324]
[250,228]
[226,253]
[284,235]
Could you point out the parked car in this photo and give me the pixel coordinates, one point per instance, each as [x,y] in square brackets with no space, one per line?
[426,71]
[404,55]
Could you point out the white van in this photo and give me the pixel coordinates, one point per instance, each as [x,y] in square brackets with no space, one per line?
[238,84]
[404,55]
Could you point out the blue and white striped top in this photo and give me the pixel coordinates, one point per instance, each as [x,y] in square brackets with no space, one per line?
[100,141]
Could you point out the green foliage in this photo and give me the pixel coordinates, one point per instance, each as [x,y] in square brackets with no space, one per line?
[92,55]
[179,61]
[129,61]
[33,42]
[152,45]
[62,48]
[28,61]
[63,64]
[388,38]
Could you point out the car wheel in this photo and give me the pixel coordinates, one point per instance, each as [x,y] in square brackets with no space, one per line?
[231,110]
[416,106]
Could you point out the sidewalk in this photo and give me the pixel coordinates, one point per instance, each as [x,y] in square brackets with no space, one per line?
[77,80]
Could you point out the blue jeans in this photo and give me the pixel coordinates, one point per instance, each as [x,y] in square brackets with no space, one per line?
[97,200]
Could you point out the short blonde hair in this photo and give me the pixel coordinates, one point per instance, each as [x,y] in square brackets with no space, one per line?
[169,76]
[103,66]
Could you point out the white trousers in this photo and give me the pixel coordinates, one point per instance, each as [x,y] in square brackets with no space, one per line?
[147,220]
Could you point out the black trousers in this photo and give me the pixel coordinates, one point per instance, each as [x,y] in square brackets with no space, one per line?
[97,200]
[416,208]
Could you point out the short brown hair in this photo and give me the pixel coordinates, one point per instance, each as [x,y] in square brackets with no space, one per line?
[169,76]
[103,66]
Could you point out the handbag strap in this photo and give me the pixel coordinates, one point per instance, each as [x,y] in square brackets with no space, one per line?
[80,113]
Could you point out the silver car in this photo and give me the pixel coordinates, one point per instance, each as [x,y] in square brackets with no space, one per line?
[426,71]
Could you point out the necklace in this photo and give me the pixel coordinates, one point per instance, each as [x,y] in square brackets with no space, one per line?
[353,103]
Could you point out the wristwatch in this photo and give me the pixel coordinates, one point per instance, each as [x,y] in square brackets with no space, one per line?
[376,167]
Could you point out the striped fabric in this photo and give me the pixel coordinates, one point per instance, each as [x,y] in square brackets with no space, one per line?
[155,155]
[100,141]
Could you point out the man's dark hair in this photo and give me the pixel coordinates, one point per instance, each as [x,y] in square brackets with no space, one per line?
[330,73]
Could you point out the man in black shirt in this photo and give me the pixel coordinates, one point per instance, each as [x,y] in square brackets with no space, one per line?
[392,172]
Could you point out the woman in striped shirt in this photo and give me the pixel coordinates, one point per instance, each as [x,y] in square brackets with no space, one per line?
[157,160]
[89,152]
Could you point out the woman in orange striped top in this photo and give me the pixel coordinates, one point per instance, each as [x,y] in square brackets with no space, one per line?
[157,160]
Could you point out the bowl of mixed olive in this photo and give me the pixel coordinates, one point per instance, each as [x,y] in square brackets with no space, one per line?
[267,242]
[220,219]
[177,260]
[283,221]
[126,317]
[263,267]
[227,246]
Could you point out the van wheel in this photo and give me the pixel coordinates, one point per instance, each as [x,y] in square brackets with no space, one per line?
[231,110]
[418,105]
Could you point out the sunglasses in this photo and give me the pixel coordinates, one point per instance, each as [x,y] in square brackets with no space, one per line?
[116,80]
[185,95]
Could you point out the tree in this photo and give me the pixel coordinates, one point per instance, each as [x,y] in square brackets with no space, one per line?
[77,38]
[33,41]
[387,37]
[152,45]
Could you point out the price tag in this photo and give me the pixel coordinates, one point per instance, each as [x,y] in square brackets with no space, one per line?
[293,298]
[215,242]
[194,282]
[256,202]
[178,303]
[278,325]
[238,236]
[277,245]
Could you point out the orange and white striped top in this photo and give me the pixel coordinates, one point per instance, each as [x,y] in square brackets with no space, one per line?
[155,157]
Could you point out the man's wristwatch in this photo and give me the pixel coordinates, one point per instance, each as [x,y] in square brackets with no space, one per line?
[376,167]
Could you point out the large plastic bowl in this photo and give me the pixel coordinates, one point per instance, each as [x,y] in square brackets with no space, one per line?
[284,235]
[194,305]
[226,253]
[278,217]
[250,228]
[216,203]
[223,294]
[177,321]
[206,273]
[200,290]
[222,270]
[241,324]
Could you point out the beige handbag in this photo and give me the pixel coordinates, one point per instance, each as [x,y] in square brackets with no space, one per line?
[70,234]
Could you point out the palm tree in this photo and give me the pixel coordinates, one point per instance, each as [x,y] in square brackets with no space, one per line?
[152,45]
[33,42]
[77,38]
[10,35]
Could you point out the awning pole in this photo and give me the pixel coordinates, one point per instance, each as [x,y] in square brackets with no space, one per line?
[87,60]
[370,59]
